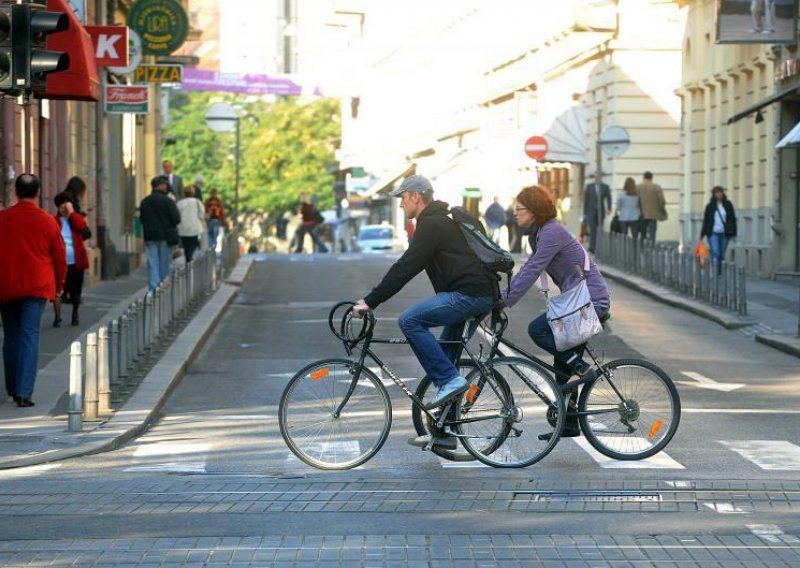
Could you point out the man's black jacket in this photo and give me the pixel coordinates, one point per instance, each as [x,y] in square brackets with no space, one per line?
[439,248]
[159,216]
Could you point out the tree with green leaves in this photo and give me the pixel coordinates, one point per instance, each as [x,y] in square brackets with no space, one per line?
[286,147]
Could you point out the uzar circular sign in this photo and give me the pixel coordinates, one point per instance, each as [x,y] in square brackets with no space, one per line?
[162,24]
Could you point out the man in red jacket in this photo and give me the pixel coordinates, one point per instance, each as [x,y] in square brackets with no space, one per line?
[34,263]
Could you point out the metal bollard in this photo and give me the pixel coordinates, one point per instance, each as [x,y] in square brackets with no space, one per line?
[150,320]
[123,347]
[103,385]
[75,412]
[113,354]
[90,398]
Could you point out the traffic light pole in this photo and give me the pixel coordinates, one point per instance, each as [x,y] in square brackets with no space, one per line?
[100,166]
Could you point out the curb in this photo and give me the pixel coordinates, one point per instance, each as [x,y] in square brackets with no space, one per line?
[136,415]
[665,295]
[786,343]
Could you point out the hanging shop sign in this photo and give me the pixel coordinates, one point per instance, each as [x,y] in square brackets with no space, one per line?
[158,74]
[162,24]
[127,99]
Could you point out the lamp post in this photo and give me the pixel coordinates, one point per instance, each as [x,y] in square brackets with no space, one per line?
[222,117]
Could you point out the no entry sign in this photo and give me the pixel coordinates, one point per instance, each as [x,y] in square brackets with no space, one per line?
[536,147]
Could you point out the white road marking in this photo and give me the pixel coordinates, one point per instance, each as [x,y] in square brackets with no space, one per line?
[284,375]
[659,461]
[170,467]
[770,533]
[461,465]
[169,449]
[773,455]
[724,508]
[739,411]
[191,457]
[28,470]
[346,450]
[703,382]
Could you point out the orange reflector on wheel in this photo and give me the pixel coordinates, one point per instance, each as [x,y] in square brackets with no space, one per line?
[655,428]
[472,394]
[320,374]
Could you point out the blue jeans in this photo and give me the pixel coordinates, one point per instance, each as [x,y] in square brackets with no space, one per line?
[159,262]
[541,334]
[448,309]
[213,233]
[319,246]
[21,322]
[719,244]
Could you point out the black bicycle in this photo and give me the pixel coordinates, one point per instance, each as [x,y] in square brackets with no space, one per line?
[629,410]
[336,414]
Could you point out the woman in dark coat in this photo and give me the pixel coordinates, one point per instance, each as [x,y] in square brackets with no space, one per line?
[719,225]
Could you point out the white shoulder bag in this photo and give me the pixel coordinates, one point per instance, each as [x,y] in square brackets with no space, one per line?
[571,314]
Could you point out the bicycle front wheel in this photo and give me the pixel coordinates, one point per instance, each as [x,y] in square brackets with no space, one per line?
[329,422]
[505,423]
[633,413]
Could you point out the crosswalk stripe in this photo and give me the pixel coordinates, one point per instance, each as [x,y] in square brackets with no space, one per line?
[186,457]
[772,455]
[461,465]
[659,461]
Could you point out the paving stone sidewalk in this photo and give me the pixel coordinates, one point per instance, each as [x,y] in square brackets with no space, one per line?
[39,434]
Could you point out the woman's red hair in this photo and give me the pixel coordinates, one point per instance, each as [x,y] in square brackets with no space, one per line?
[539,201]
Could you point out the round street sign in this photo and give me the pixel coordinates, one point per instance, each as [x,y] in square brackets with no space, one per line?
[134,55]
[221,117]
[536,147]
[162,24]
[614,140]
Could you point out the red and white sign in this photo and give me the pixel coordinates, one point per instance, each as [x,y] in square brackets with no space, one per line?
[110,45]
[122,99]
[536,147]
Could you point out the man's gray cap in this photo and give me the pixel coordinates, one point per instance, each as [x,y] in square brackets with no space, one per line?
[414,184]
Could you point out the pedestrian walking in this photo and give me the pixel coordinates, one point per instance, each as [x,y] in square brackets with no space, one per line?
[628,208]
[160,219]
[719,225]
[464,289]
[311,219]
[192,225]
[215,217]
[34,264]
[558,253]
[596,205]
[653,206]
[199,182]
[175,181]
[73,226]
[495,217]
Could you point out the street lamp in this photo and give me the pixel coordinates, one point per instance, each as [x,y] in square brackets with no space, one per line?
[222,117]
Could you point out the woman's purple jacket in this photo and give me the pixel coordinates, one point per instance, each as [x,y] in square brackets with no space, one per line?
[558,252]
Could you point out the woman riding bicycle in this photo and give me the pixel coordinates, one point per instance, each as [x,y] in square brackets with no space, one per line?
[557,252]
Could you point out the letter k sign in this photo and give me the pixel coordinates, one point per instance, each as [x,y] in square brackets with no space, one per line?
[110,45]
[106,46]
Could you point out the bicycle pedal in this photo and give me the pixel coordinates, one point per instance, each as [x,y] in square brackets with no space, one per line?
[429,446]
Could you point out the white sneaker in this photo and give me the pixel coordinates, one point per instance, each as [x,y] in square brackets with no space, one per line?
[447,391]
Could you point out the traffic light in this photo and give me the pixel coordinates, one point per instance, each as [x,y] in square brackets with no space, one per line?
[6,48]
[31,62]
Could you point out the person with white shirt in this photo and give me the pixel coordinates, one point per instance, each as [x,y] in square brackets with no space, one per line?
[719,225]
[192,225]
[175,181]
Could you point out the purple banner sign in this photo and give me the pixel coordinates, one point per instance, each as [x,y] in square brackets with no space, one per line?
[202,80]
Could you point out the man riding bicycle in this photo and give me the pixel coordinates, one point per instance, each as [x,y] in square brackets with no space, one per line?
[464,289]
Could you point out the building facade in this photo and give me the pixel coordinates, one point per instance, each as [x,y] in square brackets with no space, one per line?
[458,98]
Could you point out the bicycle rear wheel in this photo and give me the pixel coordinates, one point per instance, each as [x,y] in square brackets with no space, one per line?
[503,424]
[638,424]
[309,423]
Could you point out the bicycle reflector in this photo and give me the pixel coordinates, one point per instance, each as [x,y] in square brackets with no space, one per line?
[472,394]
[655,428]
[320,374]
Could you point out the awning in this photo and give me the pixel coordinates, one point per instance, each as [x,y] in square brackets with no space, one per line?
[80,81]
[793,137]
[385,183]
[566,137]
[761,104]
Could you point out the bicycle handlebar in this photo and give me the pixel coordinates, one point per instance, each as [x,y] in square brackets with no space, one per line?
[346,333]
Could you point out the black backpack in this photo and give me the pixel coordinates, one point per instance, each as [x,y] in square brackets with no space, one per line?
[494,258]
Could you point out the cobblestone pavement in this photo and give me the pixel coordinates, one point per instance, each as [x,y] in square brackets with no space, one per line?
[411,550]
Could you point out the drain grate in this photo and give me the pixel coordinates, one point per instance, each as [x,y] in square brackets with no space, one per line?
[588,496]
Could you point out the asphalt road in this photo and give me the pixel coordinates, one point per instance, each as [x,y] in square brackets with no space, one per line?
[213,481]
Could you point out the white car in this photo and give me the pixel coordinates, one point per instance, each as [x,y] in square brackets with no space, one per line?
[379,238]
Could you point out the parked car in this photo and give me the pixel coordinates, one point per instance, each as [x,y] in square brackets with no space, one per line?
[379,238]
